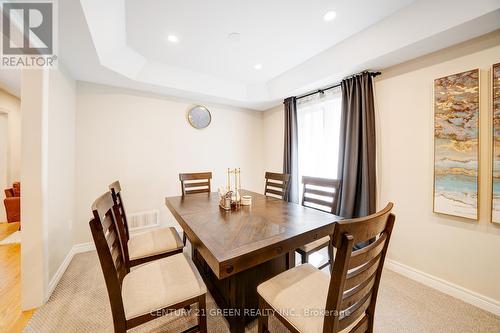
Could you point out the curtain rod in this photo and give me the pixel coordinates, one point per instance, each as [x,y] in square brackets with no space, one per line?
[320,91]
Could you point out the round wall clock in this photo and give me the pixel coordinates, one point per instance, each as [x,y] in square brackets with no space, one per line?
[199,117]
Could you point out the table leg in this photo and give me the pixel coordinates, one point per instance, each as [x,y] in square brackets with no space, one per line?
[237,324]
[290,260]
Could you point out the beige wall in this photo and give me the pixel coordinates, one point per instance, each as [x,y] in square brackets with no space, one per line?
[458,251]
[144,141]
[273,123]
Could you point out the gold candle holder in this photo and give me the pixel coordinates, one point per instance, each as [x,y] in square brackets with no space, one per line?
[236,197]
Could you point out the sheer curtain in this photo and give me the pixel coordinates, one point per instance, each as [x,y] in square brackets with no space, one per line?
[318,122]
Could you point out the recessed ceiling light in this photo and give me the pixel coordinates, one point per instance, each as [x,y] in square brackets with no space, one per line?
[329,16]
[173,38]
[257,66]
[234,37]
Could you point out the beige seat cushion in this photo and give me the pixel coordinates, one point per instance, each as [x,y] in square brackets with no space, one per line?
[315,244]
[160,284]
[153,242]
[299,294]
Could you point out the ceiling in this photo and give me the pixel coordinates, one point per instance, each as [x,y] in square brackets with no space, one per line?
[125,43]
[278,34]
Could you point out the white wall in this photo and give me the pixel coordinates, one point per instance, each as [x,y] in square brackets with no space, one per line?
[11,106]
[61,167]
[145,141]
[4,139]
[47,177]
[460,252]
[34,106]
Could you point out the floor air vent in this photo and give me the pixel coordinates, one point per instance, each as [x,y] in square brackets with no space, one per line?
[142,220]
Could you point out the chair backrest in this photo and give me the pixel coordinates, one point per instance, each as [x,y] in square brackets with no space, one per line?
[277,185]
[320,193]
[192,183]
[115,189]
[356,274]
[107,239]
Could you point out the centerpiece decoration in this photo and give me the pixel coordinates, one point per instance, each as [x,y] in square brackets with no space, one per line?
[229,196]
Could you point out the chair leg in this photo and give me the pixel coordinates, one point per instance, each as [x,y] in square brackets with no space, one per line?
[263,318]
[202,315]
[303,257]
[184,238]
[330,256]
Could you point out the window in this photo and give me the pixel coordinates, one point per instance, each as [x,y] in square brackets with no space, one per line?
[318,122]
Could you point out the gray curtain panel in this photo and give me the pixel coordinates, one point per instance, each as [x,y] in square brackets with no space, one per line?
[290,158]
[357,152]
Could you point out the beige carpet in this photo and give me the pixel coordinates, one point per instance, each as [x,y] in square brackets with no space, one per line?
[80,304]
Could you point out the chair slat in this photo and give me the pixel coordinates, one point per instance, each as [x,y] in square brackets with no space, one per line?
[198,184]
[367,253]
[318,202]
[361,274]
[279,193]
[356,311]
[361,326]
[115,253]
[322,182]
[111,239]
[322,193]
[276,185]
[195,176]
[107,222]
[115,186]
[364,228]
[196,191]
[354,295]
[278,176]
[102,205]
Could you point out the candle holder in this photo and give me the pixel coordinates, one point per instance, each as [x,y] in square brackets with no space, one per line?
[232,190]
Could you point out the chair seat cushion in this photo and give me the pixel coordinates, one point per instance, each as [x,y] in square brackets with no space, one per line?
[317,243]
[160,284]
[299,295]
[153,242]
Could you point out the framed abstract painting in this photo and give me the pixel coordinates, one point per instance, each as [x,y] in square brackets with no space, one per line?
[495,196]
[456,145]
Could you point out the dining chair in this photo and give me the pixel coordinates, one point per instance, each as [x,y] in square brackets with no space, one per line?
[321,194]
[149,291]
[277,185]
[147,245]
[343,301]
[192,183]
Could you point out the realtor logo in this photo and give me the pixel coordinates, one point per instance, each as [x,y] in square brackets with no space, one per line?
[28,34]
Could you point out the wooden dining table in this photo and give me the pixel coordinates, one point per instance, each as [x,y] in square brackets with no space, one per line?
[237,250]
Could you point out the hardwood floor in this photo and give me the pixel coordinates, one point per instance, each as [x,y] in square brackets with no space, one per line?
[12,319]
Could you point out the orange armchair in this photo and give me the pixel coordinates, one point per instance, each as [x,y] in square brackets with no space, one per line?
[12,203]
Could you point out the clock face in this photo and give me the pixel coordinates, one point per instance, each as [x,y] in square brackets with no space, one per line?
[199,117]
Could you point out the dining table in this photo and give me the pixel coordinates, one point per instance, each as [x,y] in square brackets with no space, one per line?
[236,250]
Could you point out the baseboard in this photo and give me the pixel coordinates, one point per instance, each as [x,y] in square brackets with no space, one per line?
[83,247]
[466,295]
[78,248]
